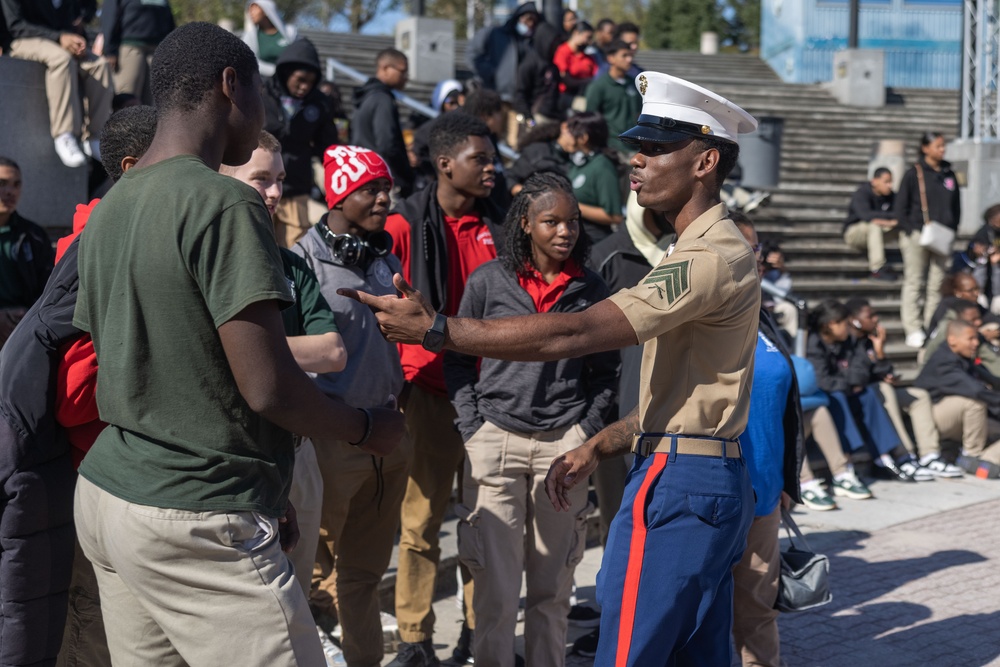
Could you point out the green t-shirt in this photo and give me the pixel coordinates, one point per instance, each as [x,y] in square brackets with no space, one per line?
[11,283]
[311,314]
[269,47]
[619,103]
[174,251]
[595,183]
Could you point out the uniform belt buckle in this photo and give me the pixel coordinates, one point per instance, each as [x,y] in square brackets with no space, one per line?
[642,446]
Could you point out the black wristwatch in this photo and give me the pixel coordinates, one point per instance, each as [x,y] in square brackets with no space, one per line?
[434,338]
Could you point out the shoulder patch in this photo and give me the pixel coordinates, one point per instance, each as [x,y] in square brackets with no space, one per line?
[672,281]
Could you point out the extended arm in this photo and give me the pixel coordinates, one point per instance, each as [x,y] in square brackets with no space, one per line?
[275,388]
[541,337]
[323,353]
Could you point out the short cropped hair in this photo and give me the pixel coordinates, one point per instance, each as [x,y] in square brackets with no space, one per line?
[8,162]
[268,142]
[603,23]
[128,133]
[189,61]
[856,304]
[626,27]
[729,154]
[880,172]
[483,103]
[990,212]
[617,45]
[389,54]
[452,130]
[958,327]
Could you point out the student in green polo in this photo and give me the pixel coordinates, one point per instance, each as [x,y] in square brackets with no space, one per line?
[613,94]
[593,171]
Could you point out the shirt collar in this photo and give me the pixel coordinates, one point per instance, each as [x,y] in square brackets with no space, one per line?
[704,222]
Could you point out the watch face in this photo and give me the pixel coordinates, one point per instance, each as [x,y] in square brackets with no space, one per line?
[433,340]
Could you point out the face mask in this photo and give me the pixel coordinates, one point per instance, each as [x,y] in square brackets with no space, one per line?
[579,158]
[523,30]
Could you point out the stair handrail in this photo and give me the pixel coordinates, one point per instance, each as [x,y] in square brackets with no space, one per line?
[333,65]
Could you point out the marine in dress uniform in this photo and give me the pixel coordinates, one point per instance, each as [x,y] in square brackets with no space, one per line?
[665,585]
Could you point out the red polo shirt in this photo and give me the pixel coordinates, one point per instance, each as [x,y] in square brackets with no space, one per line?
[470,244]
[76,378]
[546,294]
[576,64]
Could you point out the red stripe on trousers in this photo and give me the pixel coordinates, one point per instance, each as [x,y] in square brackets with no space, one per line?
[637,549]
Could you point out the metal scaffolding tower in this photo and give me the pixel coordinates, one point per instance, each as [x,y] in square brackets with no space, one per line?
[981,71]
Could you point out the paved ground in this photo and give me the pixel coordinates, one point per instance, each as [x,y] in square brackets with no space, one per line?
[916,581]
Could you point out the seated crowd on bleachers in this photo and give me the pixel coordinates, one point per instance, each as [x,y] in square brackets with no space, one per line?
[354,198]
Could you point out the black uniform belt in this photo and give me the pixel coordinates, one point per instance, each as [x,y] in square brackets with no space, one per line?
[645,444]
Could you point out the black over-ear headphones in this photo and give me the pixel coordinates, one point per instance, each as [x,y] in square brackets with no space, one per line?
[351,250]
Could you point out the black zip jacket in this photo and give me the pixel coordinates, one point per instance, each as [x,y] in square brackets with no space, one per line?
[524,397]
[33,254]
[308,132]
[429,254]
[537,87]
[37,479]
[944,203]
[795,440]
[145,21]
[536,157]
[866,206]
[948,374]
[840,366]
[376,126]
[39,18]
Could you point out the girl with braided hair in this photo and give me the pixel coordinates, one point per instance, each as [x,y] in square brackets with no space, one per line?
[515,417]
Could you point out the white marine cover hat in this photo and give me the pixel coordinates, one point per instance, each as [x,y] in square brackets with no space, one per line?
[674,109]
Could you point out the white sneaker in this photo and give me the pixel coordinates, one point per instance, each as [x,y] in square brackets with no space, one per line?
[68,150]
[919,473]
[940,468]
[916,339]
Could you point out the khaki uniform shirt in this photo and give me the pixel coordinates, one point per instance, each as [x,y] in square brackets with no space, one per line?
[697,315]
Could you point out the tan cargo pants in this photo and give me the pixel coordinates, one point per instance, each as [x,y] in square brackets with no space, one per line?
[966,420]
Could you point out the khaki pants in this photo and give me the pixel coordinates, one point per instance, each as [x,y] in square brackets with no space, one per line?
[132,76]
[819,424]
[64,76]
[438,455]
[923,274]
[291,220]
[965,419]
[84,642]
[185,588]
[861,235]
[512,527]
[755,588]
[306,495]
[917,404]
[358,529]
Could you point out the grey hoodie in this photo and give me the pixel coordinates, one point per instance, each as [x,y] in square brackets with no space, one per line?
[373,371]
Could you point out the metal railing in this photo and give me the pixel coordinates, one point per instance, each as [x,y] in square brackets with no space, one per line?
[334,66]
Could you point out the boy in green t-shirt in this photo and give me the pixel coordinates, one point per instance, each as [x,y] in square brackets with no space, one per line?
[613,94]
[182,502]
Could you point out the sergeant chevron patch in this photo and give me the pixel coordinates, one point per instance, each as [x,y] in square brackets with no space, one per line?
[670,280]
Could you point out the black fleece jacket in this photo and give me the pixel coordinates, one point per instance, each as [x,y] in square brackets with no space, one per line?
[145,21]
[307,133]
[948,374]
[866,206]
[524,397]
[40,18]
[839,366]
[376,126]
[944,203]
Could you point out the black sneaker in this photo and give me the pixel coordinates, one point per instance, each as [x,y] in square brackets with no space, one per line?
[584,617]
[969,464]
[893,471]
[462,654]
[415,655]
[586,645]
[885,273]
